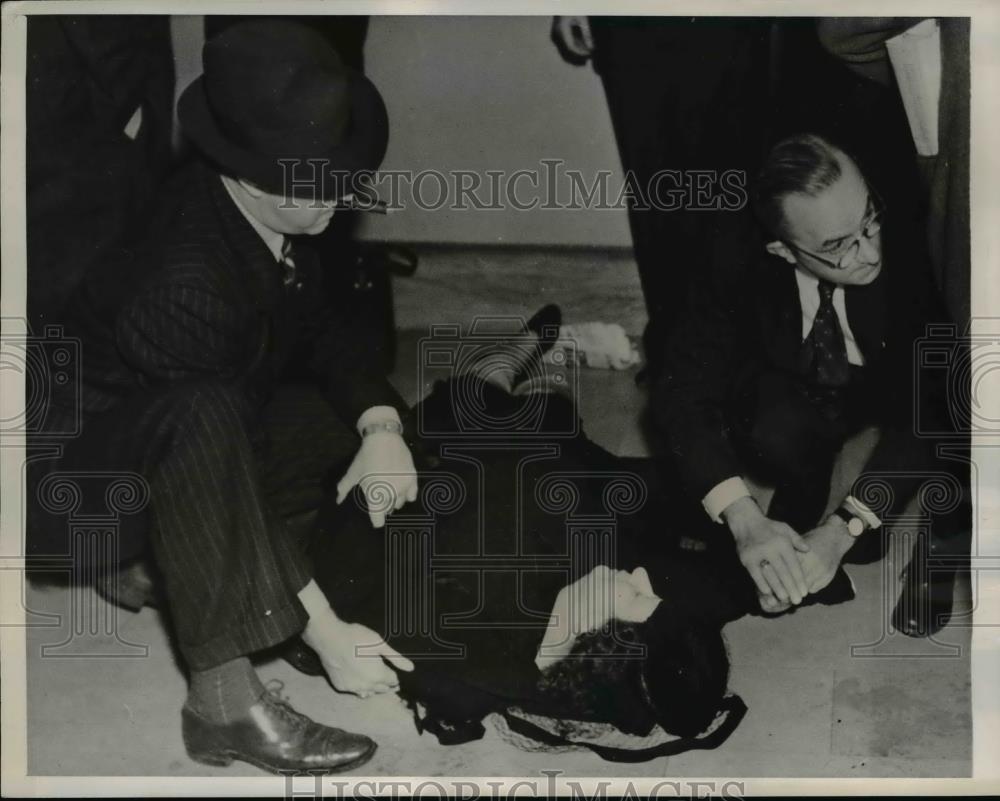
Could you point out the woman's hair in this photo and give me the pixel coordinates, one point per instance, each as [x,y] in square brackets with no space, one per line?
[679,683]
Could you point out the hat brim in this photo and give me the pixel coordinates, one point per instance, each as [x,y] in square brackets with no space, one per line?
[362,149]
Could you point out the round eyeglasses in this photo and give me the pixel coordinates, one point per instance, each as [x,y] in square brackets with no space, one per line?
[847,254]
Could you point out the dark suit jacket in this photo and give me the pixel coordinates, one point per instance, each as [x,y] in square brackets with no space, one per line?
[202,298]
[743,318]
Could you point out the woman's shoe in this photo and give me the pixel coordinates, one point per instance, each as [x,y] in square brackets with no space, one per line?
[545,324]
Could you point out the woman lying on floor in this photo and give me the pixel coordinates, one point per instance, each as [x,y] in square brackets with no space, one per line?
[536,571]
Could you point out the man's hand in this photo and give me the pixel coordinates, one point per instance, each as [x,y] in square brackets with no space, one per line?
[769,550]
[384,468]
[573,38]
[337,643]
[827,545]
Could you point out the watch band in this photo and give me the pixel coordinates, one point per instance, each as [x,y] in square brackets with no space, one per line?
[855,525]
[383,425]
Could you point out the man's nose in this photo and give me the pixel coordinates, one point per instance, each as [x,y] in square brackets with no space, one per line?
[868,251]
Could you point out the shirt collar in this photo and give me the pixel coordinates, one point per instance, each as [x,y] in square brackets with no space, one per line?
[806,280]
[274,240]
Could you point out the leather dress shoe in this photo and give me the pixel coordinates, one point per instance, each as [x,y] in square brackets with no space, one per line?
[274,737]
[925,604]
[301,657]
[130,587]
[927,601]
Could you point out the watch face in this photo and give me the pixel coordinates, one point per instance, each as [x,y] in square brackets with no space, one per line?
[856,527]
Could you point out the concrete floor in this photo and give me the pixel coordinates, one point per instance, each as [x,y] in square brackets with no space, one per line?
[831,693]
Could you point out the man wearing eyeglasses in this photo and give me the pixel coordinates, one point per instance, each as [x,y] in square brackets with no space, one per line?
[787,348]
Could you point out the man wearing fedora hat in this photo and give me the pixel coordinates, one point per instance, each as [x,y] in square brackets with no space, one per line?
[215,370]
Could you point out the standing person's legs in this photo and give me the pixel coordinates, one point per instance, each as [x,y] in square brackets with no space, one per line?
[682,97]
[644,116]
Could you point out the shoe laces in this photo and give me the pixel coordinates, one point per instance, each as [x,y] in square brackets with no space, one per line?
[282,704]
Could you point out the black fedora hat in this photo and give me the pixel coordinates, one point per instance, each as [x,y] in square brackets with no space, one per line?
[276,106]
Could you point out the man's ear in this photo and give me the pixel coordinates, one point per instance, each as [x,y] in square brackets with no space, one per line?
[781,250]
[250,187]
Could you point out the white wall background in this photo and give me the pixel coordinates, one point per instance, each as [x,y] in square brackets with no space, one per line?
[478,93]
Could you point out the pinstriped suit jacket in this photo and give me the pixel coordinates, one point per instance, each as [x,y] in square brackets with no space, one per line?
[201,297]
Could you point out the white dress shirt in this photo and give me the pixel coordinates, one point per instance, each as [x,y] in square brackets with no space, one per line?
[809,300]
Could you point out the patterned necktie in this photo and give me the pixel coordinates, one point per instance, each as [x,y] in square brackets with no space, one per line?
[825,350]
[287,263]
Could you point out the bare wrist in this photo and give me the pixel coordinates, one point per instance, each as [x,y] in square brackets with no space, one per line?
[741,513]
[841,536]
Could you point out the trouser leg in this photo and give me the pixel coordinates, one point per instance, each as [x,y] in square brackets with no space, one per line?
[684,96]
[791,442]
[231,574]
[231,571]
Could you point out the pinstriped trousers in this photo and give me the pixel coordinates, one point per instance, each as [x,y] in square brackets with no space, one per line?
[224,478]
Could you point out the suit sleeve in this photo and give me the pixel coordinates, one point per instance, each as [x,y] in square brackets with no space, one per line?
[700,363]
[182,329]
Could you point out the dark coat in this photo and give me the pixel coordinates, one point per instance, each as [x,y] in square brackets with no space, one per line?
[89,185]
[743,319]
[202,298]
[463,581]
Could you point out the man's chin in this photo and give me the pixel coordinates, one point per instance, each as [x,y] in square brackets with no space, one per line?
[319,226]
[867,274]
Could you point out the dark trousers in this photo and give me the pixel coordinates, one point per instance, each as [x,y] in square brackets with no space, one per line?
[683,95]
[791,436]
[223,477]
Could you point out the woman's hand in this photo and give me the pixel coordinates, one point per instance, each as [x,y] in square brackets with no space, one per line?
[384,469]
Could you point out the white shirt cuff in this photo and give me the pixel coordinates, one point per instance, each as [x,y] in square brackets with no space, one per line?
[723,494]
[871,519]
[378,414]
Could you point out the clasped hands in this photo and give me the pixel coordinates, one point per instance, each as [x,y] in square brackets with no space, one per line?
[784,565]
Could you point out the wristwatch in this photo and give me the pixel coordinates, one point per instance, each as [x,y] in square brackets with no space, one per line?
[855,525]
